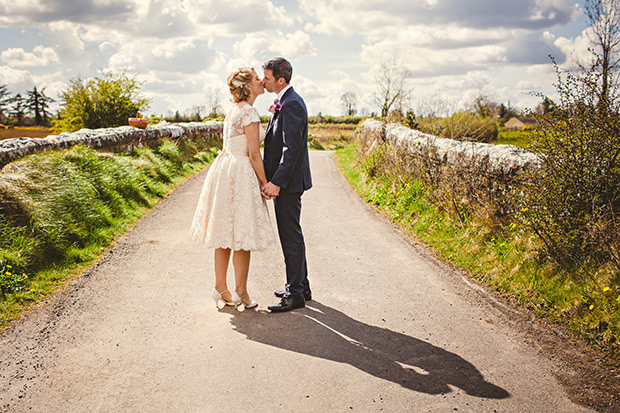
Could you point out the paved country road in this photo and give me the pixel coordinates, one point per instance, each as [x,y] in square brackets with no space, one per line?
[391,328]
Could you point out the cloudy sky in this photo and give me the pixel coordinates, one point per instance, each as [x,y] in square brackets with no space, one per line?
[183,49]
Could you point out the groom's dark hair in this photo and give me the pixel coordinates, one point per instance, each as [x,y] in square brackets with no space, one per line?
[280,67]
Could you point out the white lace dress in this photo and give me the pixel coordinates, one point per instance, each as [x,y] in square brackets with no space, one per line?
[231,212]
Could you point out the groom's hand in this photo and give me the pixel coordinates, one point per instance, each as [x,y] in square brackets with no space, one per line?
[262,192]
[270,190]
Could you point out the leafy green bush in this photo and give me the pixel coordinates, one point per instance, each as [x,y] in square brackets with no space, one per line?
[102,102]
[60,207]
[572,202]
[469,219]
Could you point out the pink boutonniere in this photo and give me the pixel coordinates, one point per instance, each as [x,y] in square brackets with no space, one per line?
[275,108]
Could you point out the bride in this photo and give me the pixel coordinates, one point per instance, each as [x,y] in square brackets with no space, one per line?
[231,214]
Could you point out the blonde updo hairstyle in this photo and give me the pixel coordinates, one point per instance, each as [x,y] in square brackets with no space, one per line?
[238,83]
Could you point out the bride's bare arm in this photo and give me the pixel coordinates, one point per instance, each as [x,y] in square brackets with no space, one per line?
[252,135]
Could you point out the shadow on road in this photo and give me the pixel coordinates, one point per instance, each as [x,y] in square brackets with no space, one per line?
[324,332]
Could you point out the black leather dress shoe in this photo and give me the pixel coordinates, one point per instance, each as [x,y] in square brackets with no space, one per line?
[307,294]
[287,304]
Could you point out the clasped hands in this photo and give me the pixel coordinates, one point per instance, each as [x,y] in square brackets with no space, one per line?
[269,190]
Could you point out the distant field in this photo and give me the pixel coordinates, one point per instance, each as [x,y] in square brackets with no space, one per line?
[330,135]
[516,138]
[24,132]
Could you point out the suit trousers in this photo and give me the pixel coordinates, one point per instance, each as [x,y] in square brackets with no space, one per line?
[288,214]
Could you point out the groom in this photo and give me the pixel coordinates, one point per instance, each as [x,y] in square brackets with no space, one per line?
[288,171]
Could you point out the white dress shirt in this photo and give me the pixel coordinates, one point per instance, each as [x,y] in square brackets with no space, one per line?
[283,91]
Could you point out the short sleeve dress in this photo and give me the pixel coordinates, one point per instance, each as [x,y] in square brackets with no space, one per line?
[231,212]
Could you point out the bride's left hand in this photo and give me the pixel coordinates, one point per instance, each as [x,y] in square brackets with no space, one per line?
[270,190]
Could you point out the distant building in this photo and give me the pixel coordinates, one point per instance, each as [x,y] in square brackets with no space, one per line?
[521,124]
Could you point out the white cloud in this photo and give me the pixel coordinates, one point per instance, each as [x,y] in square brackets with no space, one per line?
[437,51]
[158,18]
[527,85]
[324,96]
[294,45]
[255,49]
[180,56]
[236,17]
[77,11]
[107,46]
[153,18]
[66,38]
[339,73]
[17,80]
[363,16]
[40,56]
[315,96]
[452,48]
[577,49]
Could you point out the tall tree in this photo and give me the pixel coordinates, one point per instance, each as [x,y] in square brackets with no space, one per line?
[348,103]
[390,86]
[18,108]
[507,111]
[38,103]
[545,106]
[5,99]
[604,36]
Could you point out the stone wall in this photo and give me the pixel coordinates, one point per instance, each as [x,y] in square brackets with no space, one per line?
[124,137]
[501,161]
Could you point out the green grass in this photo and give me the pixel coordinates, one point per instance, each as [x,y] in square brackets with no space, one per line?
[61,210]
[506,258]
[516,138]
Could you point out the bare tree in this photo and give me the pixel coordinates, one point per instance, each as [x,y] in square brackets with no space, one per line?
[213,98]
[435,105]
[391,88]
[194,113]
[483,106]
[348,103]
[604,18]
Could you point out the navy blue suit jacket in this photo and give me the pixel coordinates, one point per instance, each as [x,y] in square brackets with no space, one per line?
[286,146]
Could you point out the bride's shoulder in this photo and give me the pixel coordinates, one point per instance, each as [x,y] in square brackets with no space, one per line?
[248,110]
[246,107]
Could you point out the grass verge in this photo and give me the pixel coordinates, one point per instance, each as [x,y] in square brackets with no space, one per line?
[506,258]
[61,210]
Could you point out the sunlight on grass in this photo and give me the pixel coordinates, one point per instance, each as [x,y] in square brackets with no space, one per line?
[61,210]
[507,259]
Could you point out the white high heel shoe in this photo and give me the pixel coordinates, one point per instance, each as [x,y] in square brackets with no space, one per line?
[241,304]
[217,297]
